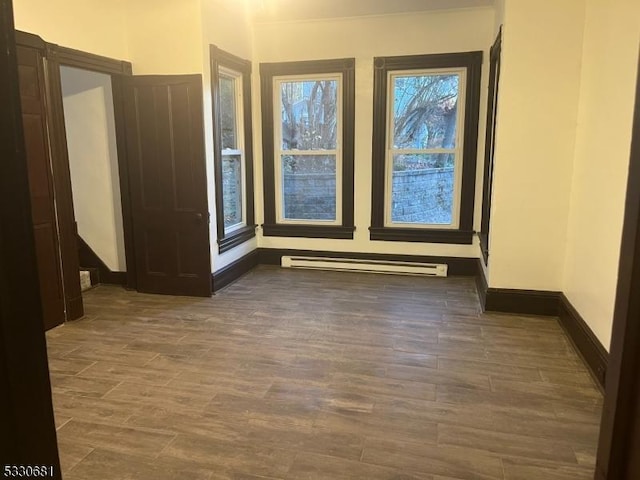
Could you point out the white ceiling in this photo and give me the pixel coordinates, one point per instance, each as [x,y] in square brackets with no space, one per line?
[286,10]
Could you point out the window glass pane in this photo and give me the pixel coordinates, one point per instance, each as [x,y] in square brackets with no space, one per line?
[422,188]
[309,114]
[425,110]
[309,187]
[228,112]
[232,189]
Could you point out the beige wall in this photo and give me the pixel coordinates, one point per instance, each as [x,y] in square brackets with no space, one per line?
[499,14]
[95,26]
[228,27]
[93,161]
[537,111]
[365,38]
[609,69]
[164,36]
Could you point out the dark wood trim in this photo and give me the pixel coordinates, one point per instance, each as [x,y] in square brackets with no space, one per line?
[617,457]
[28,434]
[90,260]
[32,40]
[62,187]
[308,231]
[457,265]
[268,145]
[481,285]
[472,61]
[70,57]
[525,302]
[123,175]
[220,58]
[234,271]
[489,146]
[584,340]
[346,67]
[426,235]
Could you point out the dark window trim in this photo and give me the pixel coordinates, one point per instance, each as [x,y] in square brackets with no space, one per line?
[220,58]
[472,61]
[345,67]
[489,146]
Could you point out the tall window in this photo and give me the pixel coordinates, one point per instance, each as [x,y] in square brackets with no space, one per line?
[231,89]
[425,146]
[308,148]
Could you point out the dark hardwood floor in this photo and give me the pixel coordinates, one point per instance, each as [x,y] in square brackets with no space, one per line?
[319,375]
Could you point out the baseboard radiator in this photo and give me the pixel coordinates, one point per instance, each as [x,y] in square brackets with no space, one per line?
[371,266]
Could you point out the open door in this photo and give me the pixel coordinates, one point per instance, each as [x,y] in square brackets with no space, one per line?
[167,181]
[43,211]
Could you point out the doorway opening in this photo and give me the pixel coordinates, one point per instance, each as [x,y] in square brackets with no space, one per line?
[90,127]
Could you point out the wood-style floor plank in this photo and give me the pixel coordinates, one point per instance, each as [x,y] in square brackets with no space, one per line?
[291,375]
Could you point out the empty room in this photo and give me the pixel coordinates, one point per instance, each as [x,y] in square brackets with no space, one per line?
[285,239]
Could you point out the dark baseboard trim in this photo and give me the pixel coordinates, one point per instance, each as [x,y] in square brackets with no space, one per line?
[556,304]
[586,343]
[457,265]
[481,284]
[113,278]
[88,259]
[527,302]
[234,270]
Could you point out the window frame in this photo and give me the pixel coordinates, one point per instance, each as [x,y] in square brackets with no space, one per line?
[489,146]
[270,76]
[384,68]
[279,151]
[457,151]
[227,64]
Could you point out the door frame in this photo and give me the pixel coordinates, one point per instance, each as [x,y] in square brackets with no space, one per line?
[57,56]
[60,56]
[28,434]
[617,457]
[71,302]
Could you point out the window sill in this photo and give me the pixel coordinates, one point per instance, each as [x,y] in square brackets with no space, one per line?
[308,231]
[389,234]
[235,238]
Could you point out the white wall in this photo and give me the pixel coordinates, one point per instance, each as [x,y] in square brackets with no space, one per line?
[364,38]
[228,27]
[95,26]
[93,161]
[609,69]
[537,111]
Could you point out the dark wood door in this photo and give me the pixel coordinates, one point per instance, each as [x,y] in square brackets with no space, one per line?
[45,231]
[168,187]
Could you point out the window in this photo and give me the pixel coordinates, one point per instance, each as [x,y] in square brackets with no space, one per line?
[308,122]
[425,147]
[231,90]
